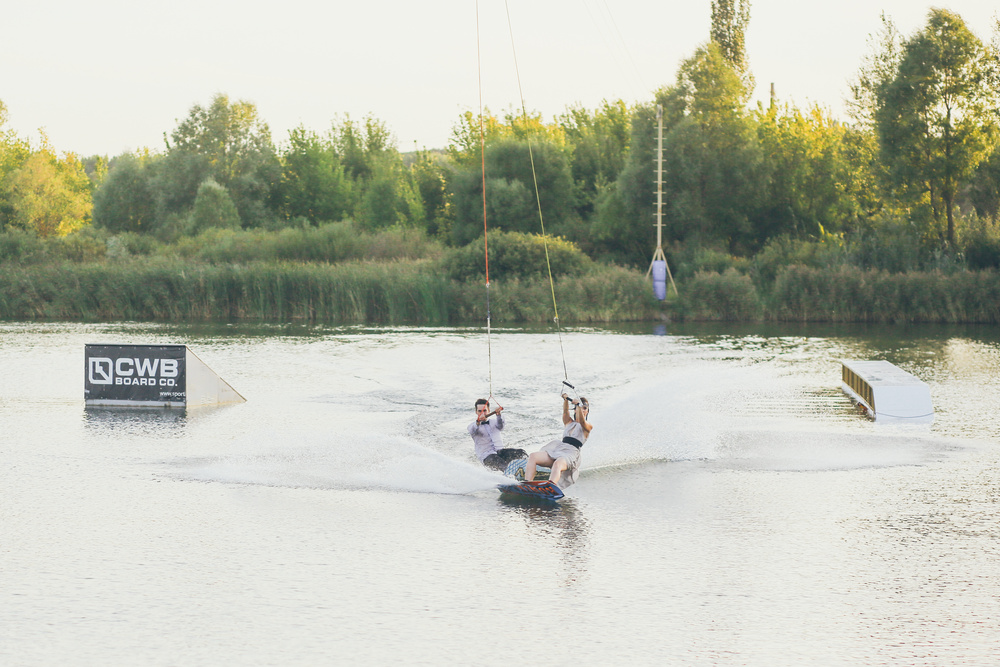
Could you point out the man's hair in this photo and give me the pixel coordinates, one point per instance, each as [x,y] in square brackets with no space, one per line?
[482,401]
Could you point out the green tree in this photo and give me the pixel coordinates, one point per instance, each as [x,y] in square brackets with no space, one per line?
[598,142]
[715,176]
[389,199]
[936,120]
[984,190]
[512,167]
[228,142]
[314,184]
[729,25]
[876,73]
[807,169]
[467,137]
[469,134]
[125,201]
[175,177]
[429,174]
[622,226]
[14,151]
[47,194]
[213,208]
[362,146]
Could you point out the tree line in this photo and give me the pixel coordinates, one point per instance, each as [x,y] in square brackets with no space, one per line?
[911,181]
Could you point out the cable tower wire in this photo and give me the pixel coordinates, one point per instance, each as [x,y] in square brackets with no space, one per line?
[538,200]
[486,241]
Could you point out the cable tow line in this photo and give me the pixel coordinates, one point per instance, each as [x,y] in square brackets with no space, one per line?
[486,242]
[538,200]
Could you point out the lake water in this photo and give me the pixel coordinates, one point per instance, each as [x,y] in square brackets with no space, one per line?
[733,508]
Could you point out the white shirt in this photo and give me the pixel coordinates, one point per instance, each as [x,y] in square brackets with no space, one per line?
[487,436]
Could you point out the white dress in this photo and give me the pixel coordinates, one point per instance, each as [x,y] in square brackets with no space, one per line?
[560,449]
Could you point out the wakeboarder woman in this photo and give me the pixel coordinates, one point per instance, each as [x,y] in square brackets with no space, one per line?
[489,443]
[563,456]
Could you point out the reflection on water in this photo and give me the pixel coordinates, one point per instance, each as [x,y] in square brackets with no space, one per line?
[561,524]
[133,419]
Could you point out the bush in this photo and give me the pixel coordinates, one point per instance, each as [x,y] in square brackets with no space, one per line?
[87,245]
[980,242]
[333,242]
[691,260]
[784,251]
[728,296]
[213,208]
[514,255]
[21,247]
[850,294]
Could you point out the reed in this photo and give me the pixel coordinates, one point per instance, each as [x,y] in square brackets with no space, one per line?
[396,292]
[171,289]
[605,294]
[850,294]
[333,242]
[729,296]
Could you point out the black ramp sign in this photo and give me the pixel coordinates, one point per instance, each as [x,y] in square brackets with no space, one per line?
[135,374]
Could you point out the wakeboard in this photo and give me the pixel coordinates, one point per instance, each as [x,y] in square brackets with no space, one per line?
[515,469]
[543,490]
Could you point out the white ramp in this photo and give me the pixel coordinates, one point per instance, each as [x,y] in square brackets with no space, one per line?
[886,392]
[204,387]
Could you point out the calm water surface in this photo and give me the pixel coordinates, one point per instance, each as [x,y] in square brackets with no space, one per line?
[732,510]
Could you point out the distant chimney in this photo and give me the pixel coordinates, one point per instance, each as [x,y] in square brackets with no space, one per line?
[774,97]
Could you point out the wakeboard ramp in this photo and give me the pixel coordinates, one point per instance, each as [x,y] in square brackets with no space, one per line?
[152,376]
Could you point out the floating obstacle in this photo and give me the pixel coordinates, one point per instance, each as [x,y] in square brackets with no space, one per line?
[886,392]
[169,376]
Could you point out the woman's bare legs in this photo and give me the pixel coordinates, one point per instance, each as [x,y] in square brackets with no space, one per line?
[536,459]
[557,468]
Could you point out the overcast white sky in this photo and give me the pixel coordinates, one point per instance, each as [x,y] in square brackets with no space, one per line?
[106,76]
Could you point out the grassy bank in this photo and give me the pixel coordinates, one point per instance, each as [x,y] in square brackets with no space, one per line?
[421,291]
[849,294]
[844,294]
[418,292]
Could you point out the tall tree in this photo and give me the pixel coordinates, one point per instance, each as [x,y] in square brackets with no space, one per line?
[599,141]
[512,166]
[715,177]
[808,170]
[877,71]
[14,151]
[937,120]
[313,184]
[228,142]
[429,173]
[47,194]
[125,200]
[362,146]
[729,26]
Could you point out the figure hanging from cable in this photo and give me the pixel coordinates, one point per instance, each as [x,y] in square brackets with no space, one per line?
[488,440]
[563,456]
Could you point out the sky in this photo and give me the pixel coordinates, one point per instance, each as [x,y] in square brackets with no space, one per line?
[109,76]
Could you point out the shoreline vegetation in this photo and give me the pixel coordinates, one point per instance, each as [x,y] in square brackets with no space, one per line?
[771,212]
[258,276]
